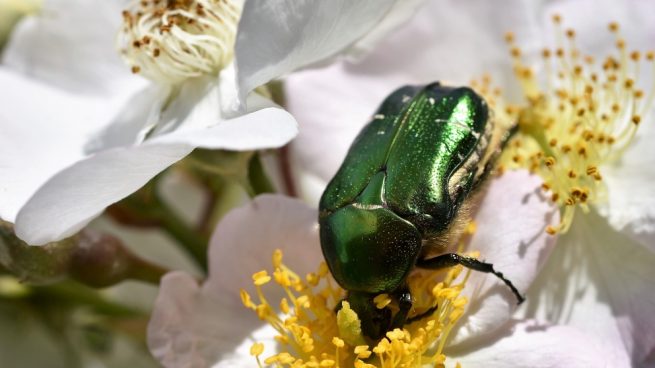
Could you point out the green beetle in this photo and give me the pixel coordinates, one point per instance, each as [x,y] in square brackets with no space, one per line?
[403,194]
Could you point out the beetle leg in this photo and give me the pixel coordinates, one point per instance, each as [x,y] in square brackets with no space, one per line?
[404,304]
[452,259]
[422,315]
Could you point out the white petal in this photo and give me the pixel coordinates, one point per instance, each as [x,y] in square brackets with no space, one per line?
[396,16]
[70,44]
[43,131]
[310,187]
[631,197]
[511,235]
[208,326]
[11,11]
[280,36]
[631,204]
[426,49]
[341,104]
[194,118]
[636,24]
[74,196]
[536,345]
[245,240]
[193,328]
[132,121]
[601,282]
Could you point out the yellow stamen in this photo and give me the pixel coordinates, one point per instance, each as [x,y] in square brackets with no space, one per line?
[170,41]
[381,301]
[256,350]
[584,116]
[311,334]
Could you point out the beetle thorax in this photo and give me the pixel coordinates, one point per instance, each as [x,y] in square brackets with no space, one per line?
[368,249]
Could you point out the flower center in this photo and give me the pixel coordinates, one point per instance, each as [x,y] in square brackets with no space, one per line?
[311,334]
[579,116]
[172,40]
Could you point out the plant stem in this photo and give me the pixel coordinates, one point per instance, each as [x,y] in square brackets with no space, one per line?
[145,271]
[75,293]
[193,242]
[285,169]
[259,181]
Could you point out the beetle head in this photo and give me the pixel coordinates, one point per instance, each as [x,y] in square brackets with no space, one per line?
[375,322]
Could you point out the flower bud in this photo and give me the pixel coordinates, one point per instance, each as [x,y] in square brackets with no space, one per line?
[100,260]
[36,265]
[91,258]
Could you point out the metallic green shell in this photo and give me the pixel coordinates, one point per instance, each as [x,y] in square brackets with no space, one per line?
[403,180]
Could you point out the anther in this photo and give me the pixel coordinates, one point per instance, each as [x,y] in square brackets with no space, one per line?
[584,196]
[550,161]
[509,37]
[516,52]
[581,112]
[551,230]
[620,44]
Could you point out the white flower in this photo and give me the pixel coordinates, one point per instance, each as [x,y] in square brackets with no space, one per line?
[81,131]
[11,11]
[599,278]
[207,325]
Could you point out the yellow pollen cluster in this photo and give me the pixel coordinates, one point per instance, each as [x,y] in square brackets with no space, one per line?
[580,115]
[311,334]
[169,41]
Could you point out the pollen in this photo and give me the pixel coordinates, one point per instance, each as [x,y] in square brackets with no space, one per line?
[311,334]
[169,41]
[579,115]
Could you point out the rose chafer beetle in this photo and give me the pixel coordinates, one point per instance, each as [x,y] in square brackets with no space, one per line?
[403,194]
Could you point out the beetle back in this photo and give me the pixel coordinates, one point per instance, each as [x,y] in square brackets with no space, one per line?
[403,180]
